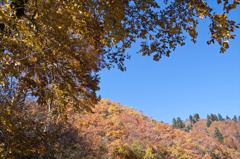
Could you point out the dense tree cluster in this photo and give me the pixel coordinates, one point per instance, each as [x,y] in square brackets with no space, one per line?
[178,124]
[211,118]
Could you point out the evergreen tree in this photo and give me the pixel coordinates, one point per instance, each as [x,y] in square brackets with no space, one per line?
[238,118]
[227,117]
[234,118]
[188,128]
[196,116]
[174,123]
[194,121]
[180,124]
[208,116]
[220,117]
[190,118]
[208,122]
[212,117]
[218,135]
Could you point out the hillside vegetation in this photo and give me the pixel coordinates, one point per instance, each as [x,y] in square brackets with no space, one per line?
[115,131]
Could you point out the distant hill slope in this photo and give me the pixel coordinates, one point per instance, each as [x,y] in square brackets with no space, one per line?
[230,130]
[117,131]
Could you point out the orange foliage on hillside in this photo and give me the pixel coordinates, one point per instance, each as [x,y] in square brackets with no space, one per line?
[117,131]
[230,130]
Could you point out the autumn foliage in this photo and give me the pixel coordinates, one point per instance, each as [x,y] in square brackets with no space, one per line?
[116,131]
[51,53]
[54,50]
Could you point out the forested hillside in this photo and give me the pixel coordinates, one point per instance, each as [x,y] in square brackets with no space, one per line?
[51,56]
[229,131]
[225,130]
[114,131]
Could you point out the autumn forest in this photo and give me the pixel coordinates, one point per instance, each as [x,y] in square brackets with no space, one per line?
[51,54]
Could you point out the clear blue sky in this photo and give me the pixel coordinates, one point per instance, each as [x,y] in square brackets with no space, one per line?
[196,78]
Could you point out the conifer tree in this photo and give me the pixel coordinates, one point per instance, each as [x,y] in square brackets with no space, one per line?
[220,118]
[196,116]
[180,124]
[208,122]
[174,123]
[218,135]
[227,117]
[234,118]
[212,117]
[215,117]
[191,118]
[188,128]
[239,118]
[194,121]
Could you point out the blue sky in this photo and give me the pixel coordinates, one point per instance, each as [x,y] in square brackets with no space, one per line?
[196,78]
